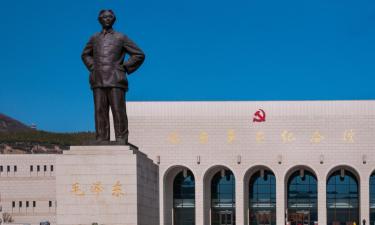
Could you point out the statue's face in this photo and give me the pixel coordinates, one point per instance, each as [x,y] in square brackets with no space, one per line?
[107,19]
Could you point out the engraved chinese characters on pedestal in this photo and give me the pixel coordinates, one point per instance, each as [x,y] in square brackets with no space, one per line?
[97,188]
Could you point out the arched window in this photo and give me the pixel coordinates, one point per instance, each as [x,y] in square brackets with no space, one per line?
[302,198]
[342,198]
[184,198]
[223,198]
[372,198]
[262,198]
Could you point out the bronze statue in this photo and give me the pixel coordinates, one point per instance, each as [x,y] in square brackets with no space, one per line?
[104,57]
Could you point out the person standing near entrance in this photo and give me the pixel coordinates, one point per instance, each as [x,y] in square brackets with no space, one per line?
[104,57]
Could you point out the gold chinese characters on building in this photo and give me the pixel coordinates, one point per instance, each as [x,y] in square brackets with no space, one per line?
[260,137]
[231,136]
[117,189]
[203,137]
[316,137]
[287,136]
[349,136]
[174,138]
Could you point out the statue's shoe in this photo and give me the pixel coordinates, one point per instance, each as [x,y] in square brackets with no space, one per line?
[121,141]
[97,142]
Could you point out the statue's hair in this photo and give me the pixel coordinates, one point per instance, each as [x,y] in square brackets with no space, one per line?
[106,10]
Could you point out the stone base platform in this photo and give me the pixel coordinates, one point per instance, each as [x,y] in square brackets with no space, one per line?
[109,185]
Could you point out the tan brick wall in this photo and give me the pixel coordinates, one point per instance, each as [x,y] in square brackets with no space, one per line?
[25,186]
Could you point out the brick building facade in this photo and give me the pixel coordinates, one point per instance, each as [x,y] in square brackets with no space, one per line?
[235,163]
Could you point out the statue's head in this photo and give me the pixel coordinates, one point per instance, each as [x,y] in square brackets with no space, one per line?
[106,18]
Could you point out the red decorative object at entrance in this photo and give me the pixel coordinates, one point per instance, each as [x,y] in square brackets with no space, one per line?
[259,116]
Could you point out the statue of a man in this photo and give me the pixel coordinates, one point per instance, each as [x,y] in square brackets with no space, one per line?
[104,57]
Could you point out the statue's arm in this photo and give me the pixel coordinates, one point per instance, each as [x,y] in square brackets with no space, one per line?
[136,56]
[87,55]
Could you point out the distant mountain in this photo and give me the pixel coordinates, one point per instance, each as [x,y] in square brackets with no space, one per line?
[17,138]
[8,124]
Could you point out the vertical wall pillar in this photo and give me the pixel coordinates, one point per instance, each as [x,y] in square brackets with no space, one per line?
[364,203]
[239,200]
[199,185]
[246,200]
[280,200]
[161,197]
[322,200]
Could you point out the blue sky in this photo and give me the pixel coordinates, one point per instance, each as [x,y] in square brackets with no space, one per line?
[195,50]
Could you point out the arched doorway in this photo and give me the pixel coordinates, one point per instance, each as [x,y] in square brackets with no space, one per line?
[342,198]
[262,198]
[223,198]
[184,198]
[372,198]
[302,197]
[179,196]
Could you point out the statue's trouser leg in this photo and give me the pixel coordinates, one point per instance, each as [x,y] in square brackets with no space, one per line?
[101,114]
[116,98]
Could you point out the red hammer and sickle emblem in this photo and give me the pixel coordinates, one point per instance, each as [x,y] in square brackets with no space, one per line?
[259,116]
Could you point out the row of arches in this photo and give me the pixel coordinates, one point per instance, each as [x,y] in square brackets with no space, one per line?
[301,197]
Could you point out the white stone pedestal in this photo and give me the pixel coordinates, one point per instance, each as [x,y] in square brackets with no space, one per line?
[109,185]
